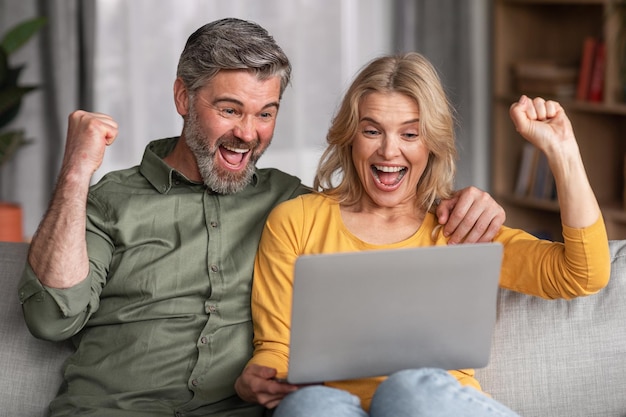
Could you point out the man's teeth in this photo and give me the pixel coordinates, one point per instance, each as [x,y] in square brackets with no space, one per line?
[238,150]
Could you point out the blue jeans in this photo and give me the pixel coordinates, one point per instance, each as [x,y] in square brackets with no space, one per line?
[419,392]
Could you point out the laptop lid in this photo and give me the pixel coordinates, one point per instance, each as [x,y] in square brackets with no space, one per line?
[372,313]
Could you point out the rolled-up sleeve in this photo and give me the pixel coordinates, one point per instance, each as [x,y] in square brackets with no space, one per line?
[52,313]
[59,313]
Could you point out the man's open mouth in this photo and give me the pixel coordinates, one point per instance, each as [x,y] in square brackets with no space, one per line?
[234,156]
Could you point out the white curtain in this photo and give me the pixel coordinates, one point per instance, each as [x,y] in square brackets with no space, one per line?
[137,45]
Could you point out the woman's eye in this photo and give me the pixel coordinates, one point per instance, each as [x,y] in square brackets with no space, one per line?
[370,132]
[411,136]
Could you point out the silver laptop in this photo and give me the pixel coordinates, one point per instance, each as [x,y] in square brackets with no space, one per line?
[373,313]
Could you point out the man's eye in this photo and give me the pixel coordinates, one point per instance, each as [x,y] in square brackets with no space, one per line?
[229,112]
[267,115]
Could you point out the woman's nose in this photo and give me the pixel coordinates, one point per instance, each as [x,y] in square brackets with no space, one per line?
[388,146]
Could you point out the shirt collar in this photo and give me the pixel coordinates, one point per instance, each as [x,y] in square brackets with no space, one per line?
[161,175]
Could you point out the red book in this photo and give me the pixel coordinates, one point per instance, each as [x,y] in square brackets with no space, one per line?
[596,85]
[586,64]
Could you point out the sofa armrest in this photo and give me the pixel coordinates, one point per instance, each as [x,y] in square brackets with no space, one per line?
[562,358]
[31,368]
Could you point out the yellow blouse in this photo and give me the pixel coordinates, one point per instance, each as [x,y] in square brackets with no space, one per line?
[312,224]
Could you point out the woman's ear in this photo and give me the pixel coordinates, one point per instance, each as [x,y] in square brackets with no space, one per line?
[181,97]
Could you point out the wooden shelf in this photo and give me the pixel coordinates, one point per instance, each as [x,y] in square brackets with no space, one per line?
[564,2]
[532,203]
[554,30]
[617,109]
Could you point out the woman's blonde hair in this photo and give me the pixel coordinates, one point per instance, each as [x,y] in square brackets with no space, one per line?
[410,74]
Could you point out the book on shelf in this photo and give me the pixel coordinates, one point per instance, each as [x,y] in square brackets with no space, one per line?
[598,70]
[586,65]
[526,169]
[534,178]
[592,70]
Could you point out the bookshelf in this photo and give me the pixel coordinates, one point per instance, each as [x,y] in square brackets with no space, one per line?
[554,31]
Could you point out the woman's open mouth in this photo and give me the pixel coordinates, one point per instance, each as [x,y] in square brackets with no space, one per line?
[387,175]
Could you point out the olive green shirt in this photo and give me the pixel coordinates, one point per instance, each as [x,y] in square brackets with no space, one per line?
[162,323]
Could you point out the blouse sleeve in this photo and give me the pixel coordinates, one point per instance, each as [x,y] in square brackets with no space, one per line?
[579,266]
[272,285]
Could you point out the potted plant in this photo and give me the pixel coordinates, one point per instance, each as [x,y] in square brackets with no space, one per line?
[11,95]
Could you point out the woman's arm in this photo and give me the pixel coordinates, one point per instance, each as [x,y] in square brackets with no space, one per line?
[581,265]
[272,287]
[545,125]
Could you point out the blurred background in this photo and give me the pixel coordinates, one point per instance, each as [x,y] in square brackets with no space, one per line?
[119,57]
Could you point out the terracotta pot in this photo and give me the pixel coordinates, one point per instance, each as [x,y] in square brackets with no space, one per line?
[11,229]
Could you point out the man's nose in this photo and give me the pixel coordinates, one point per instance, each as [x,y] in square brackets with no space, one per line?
[246,129]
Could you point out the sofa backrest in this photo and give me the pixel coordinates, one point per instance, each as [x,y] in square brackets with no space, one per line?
[30,368]
[557,358]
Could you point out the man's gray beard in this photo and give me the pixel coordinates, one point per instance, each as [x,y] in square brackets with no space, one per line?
[214,178]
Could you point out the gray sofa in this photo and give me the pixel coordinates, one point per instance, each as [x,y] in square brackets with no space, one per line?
[549,358]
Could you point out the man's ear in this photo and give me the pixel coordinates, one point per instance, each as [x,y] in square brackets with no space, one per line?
[181,97]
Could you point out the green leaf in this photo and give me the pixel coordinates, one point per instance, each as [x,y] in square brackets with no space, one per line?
[4,67]
[20,34]
[10,100]
[10,142]
[11,77]
[11,93]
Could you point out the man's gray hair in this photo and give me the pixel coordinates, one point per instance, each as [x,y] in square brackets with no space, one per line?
[230,44]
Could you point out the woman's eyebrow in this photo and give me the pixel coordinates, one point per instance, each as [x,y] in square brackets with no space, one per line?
[369,119]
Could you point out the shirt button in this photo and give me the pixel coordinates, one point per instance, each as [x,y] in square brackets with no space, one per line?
[214,268]
[194,382]
[213,224]
[203,340]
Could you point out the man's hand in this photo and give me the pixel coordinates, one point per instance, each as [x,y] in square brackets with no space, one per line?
[257,384]
[471,216]
[88,134]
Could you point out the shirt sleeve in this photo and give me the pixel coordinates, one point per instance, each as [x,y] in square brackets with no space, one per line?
[58,314]
[272,286]
[579,266]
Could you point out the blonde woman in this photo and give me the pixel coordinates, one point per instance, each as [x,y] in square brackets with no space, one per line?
[390,156]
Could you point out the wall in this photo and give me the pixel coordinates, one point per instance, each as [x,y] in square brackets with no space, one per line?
[137,49]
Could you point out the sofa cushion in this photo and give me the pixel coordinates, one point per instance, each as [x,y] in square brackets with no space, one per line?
[31,368]
[562,358]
